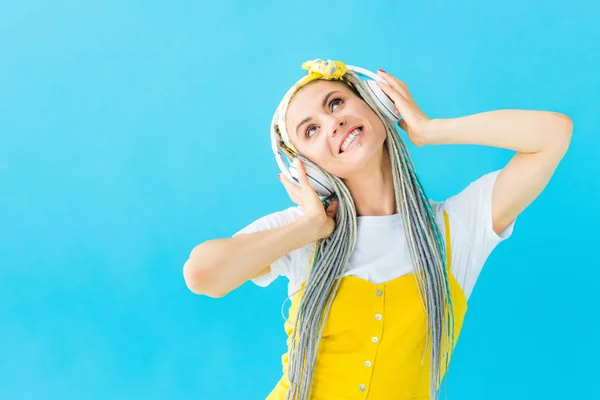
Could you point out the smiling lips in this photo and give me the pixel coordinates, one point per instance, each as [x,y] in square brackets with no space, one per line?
[347,135]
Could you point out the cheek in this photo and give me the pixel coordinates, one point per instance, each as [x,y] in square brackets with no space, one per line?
[323,158]
[377,127]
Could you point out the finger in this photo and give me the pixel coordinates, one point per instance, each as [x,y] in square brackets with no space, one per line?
[390,91]
[402,124]
[301,173]
[296,199]
[290,187]
[397,98]
[332,209]
[394,82]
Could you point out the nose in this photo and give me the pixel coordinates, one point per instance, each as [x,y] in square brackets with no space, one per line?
[337,125]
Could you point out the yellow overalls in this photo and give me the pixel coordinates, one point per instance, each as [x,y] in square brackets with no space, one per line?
[374,340]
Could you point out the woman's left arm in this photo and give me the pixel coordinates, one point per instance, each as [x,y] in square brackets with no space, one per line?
[541,139]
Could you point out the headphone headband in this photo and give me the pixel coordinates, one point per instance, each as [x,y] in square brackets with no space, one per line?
[365,72]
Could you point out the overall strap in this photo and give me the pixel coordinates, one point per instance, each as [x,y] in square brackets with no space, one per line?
[448,245]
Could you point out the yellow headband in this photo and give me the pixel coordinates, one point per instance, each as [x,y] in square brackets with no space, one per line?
[317,69]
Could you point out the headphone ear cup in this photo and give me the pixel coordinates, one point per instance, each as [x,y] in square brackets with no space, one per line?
[317,180]
[386,105]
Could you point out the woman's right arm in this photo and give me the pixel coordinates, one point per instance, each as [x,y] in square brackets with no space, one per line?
[218,266]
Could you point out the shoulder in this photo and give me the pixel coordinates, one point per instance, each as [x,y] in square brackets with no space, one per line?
[471,234]
[471,206]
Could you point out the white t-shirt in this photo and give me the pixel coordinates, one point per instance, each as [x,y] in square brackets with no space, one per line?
[381,253]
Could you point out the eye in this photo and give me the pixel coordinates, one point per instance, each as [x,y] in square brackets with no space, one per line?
[337,100]
[333,102]
[308,130]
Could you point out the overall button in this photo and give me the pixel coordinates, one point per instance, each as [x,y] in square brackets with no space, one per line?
[362,388]
[378,317]
[367,363]
[379,292]
[375,339]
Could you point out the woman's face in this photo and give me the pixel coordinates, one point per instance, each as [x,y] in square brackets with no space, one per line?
[323,117]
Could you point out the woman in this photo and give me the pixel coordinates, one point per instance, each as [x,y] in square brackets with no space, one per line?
[379,275]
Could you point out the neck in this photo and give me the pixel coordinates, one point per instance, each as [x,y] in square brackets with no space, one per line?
[373,187]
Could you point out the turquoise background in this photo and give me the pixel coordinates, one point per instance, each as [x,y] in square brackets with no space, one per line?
[132,131]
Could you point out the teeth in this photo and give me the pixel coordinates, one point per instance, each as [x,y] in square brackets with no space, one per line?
[350,139]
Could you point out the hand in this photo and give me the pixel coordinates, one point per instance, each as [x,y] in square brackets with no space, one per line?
[321,222]
[413,120]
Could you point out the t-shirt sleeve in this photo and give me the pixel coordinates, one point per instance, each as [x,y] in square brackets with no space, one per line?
[283,265]
[471,230]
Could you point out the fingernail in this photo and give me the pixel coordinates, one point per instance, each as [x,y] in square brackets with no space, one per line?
[279,176]
[382,70]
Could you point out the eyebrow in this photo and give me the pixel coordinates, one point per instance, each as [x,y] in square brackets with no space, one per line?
[305,120]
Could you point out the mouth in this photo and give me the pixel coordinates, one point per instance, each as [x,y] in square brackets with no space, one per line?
[350,138]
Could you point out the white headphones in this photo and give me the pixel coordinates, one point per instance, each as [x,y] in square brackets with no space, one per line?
[318,181]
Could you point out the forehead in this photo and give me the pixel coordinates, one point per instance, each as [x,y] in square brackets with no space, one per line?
[308,99]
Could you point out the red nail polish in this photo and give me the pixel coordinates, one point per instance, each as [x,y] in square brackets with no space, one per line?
[279,176]
[382,70]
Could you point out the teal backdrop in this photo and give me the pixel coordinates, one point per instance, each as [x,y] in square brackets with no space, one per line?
[131,131]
